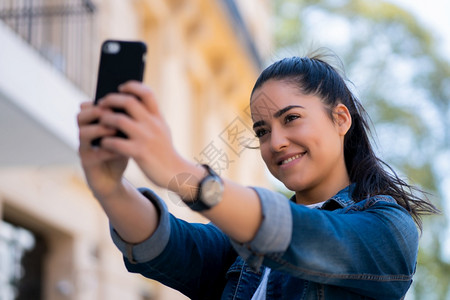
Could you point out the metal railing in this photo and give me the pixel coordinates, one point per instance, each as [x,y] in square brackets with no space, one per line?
[61,31]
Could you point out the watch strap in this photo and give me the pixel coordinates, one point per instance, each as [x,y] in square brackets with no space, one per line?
[197,204]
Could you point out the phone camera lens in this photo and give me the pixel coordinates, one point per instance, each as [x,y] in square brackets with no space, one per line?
[111,47]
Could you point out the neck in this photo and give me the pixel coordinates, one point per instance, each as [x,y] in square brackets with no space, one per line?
[321,192]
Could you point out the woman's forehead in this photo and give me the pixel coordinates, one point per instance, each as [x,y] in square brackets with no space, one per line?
[275,96]
[272,92]
[262,105]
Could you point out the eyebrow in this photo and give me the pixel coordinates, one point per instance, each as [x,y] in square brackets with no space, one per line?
[277,114]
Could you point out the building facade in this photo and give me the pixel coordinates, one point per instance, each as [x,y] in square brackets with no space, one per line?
[203,58]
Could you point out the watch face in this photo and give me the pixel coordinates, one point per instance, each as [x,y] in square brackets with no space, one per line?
[211,191]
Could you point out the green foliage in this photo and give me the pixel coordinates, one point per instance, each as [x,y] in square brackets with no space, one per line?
[404,83]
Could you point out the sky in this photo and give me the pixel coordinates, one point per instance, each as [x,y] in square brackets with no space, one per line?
[434,14]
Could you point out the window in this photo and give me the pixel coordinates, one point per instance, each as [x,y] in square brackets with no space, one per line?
[21,263]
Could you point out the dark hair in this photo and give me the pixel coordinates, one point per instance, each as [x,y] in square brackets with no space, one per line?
[313,75]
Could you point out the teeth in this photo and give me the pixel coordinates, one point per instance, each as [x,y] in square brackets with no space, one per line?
[290,159]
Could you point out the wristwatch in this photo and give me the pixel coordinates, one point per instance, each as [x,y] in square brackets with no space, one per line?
[209,192]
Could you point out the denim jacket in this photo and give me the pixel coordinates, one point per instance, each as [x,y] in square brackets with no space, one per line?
[345,250]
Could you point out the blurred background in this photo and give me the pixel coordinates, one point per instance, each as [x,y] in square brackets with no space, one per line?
[203,58]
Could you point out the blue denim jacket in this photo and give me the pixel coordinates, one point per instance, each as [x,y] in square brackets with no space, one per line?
[345,250]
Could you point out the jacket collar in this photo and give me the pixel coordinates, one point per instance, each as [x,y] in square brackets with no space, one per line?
[342,199]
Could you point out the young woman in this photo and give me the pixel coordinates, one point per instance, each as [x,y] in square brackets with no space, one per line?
[347,233]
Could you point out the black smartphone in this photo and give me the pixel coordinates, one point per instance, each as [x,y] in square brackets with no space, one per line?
[120,61]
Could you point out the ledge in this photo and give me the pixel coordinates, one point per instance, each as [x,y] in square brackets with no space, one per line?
[38,106]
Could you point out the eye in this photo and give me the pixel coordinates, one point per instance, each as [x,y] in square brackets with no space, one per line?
[261,132]
[290,118]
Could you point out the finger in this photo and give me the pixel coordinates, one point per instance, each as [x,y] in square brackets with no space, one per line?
[129,103]
[86,104]
[142,92]
[91,132]
[97,155]
[134,108]
[120,122]
[118,145]
[88,114]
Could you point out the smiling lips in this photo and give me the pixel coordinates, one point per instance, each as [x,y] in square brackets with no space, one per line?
[292,158]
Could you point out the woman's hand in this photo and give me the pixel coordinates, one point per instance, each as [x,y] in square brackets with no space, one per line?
[131,214]
[103,168]
[149,140]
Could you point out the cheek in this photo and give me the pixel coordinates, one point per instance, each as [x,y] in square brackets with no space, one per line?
[328,145]
[265,153]
[323,135]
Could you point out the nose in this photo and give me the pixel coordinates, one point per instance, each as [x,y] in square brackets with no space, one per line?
[278,140]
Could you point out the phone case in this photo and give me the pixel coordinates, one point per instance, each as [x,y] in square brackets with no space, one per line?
[120,61]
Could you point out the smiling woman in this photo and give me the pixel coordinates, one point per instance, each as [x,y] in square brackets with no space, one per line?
[359,243]
[327,101]
[300,144]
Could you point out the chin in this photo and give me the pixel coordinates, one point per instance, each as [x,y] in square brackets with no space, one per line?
[293,183]
[294,186]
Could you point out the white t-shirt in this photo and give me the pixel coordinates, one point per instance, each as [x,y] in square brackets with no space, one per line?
[260,293]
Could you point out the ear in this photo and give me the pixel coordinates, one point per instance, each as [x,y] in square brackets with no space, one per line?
[342,118]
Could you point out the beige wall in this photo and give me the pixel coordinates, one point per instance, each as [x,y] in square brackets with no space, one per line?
[202,75]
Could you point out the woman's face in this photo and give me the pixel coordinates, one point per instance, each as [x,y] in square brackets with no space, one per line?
[300,144]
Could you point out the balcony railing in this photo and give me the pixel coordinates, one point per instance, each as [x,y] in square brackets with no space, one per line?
[61,31]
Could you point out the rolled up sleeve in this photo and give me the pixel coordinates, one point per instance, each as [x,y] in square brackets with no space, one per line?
[275,232]
[156,243]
